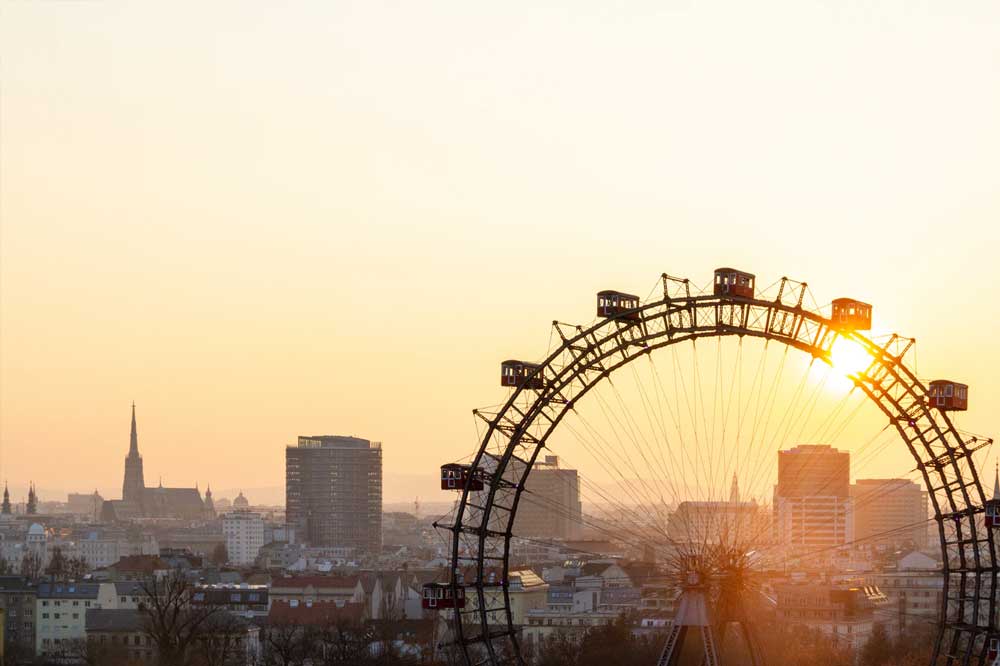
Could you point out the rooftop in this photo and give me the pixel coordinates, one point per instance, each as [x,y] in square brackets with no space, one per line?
[285,612]
[68,590]
[315,581]
[336,442]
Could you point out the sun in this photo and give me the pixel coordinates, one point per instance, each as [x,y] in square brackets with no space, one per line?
[849,357]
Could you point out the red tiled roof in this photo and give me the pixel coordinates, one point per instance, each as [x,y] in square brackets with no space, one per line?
[315,581]
[325,612]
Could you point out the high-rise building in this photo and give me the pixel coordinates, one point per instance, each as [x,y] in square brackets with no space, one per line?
[812,501]
[333,491]
[244,533]
[890,512]
[550,505]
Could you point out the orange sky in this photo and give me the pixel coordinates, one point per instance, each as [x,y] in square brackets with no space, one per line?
[260,222]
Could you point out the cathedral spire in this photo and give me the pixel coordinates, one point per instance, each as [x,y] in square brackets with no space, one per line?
[734,490]
[133,445]
[996,484]
[6,500]
[134,484]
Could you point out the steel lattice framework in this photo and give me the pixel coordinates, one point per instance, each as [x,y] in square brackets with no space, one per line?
[483,632]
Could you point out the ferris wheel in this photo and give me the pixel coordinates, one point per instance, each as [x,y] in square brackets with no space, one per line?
[686,417]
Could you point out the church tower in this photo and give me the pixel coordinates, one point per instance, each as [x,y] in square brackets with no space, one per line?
[209,503]
[5,510]
[134,485]
[32,508]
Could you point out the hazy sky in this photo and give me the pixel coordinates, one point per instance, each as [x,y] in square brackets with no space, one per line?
[259,219]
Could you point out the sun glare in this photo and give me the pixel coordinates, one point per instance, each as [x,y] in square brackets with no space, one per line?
[849,357]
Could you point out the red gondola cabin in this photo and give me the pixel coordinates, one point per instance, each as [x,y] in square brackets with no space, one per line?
[441,595]
[731,282]
[992,650]
[948,396]
[849,314]
[455,476]
[617,304]
[518,373]
[993,512]
[993,505]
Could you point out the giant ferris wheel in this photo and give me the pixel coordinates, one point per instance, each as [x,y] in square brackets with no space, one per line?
[673,408]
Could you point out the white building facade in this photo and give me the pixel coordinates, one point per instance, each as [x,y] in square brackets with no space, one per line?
[244,534]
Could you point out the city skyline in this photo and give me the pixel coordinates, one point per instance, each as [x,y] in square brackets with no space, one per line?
[297,286]
[562,333]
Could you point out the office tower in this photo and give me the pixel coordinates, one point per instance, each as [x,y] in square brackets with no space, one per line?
[812,501]
[550,505]
[333,491]
[889,512]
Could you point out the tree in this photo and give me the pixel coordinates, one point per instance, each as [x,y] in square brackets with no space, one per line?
[77,568]
[220,555]
[173,621]
[222,643]
[287,644]
[31,565]
[342,641]
[877,649]
[57,565]
[799,645]
[90,653]
[559,649]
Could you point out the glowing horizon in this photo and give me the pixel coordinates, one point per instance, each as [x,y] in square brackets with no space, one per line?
[341,220]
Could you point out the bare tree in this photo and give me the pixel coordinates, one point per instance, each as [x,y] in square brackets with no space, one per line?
[77,568]
[173,621]
[31,565]
[90,653]
[223,642]
[342,641]
[56,569]
[288,644]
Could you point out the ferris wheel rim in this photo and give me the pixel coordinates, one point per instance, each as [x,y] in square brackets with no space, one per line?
[883,358]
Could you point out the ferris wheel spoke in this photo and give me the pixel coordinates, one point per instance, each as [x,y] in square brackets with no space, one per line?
[663,401]
[659,436]
[635,431]
[597,450]
[766,456]
[637,481]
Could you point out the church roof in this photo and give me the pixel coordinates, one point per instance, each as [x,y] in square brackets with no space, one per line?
[172,502]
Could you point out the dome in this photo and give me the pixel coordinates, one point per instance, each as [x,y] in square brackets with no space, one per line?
[36,530]
[240,501]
